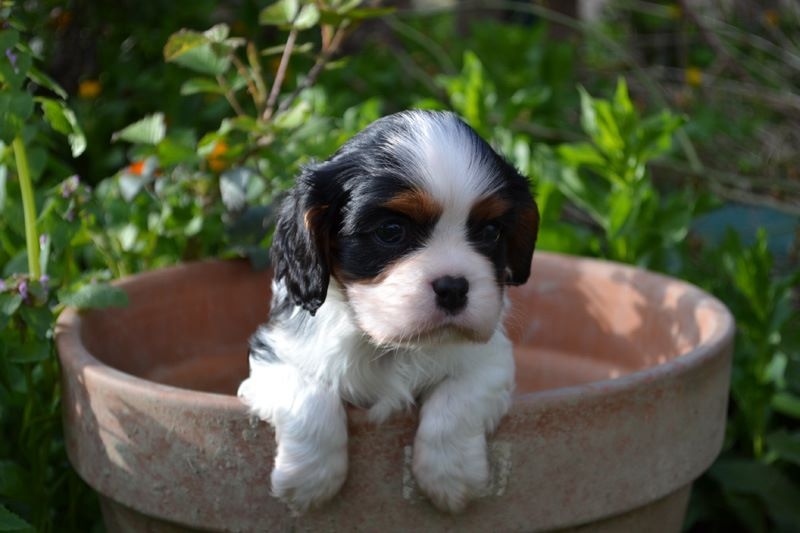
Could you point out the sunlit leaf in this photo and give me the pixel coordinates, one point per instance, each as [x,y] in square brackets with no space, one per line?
[62,119]
[217,33]
[149,130]
[42,79]
[307,17]
[281,13]
[198,52]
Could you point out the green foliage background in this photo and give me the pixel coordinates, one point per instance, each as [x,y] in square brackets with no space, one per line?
[171,140]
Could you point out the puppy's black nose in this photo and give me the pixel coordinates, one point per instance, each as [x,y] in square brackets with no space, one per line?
[451,293]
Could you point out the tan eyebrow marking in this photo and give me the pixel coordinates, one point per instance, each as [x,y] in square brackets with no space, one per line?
[489,208]
[417,205]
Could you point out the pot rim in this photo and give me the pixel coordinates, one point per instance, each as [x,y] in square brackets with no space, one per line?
[74,353]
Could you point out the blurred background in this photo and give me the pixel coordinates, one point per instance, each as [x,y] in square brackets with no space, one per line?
[659,133]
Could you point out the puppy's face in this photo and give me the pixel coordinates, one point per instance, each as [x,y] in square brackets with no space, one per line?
[421,223]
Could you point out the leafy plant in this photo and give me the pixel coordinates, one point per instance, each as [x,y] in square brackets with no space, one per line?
[754,483]
[609,179]
[36,486]
[191,195]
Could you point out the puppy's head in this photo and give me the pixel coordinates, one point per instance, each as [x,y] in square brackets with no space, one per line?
[420,222]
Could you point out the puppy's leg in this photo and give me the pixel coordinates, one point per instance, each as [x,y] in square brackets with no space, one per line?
[450,452]
[310,430]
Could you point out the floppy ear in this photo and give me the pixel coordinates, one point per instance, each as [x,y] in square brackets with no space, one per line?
[301,243]
[522,238]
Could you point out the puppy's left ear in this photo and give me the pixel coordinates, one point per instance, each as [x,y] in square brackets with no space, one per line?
[522,238]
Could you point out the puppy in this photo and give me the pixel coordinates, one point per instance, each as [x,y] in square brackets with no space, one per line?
[390,265]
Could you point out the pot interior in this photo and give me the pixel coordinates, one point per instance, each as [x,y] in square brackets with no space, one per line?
[574,322]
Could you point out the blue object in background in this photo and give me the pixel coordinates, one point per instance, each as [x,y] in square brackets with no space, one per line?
[781,228]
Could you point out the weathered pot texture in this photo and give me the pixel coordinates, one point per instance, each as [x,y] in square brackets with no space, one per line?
[622,386]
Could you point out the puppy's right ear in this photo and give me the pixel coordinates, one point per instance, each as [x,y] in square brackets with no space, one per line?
[302,240]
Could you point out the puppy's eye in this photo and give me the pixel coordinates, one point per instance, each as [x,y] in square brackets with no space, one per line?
[489,233]
[390,233]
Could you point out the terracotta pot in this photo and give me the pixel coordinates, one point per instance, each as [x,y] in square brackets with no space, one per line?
[621,399]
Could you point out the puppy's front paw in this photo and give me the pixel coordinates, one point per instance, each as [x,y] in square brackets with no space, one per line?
[451,472]
[305,479]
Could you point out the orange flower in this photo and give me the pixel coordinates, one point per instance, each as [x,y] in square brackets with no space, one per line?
[216,159]
[137,168]
[61,19]
[693,76]
[771,18]
[89,89]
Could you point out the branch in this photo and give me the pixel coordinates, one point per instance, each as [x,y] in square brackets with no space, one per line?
[315,71]
[276,84]
[713,41]
[229,96]
[251,87]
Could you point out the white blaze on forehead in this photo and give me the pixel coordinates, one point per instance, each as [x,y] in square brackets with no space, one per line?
[442,157]
[444,160]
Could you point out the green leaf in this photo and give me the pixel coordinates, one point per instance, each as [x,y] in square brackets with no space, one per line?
[201,85]
[787,403]
[239,186]
[217,33]
[655,134]
[295,116]
[15,109]
[307,18]
[588,114]
[39,319]
[38,159]
[468,90]
[31,352]
[586,194]
[779,493]
[42,79]
[149,130]
[786,445]
[581,154]
[8,39]
[196,51]
[622,205]
[281,13]
[9,303]
[14,61]
[172,152]
[598,121]
[62,119]
[11,522]
[97,296]
[622,102]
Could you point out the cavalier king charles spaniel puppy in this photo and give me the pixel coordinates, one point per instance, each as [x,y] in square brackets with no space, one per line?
[390,261]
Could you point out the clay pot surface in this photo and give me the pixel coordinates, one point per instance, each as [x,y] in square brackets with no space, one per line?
[622,387]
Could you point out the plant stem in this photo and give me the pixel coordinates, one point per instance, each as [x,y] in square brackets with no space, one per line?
[315,71]
[230,96]
[279,75]
[28,207]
